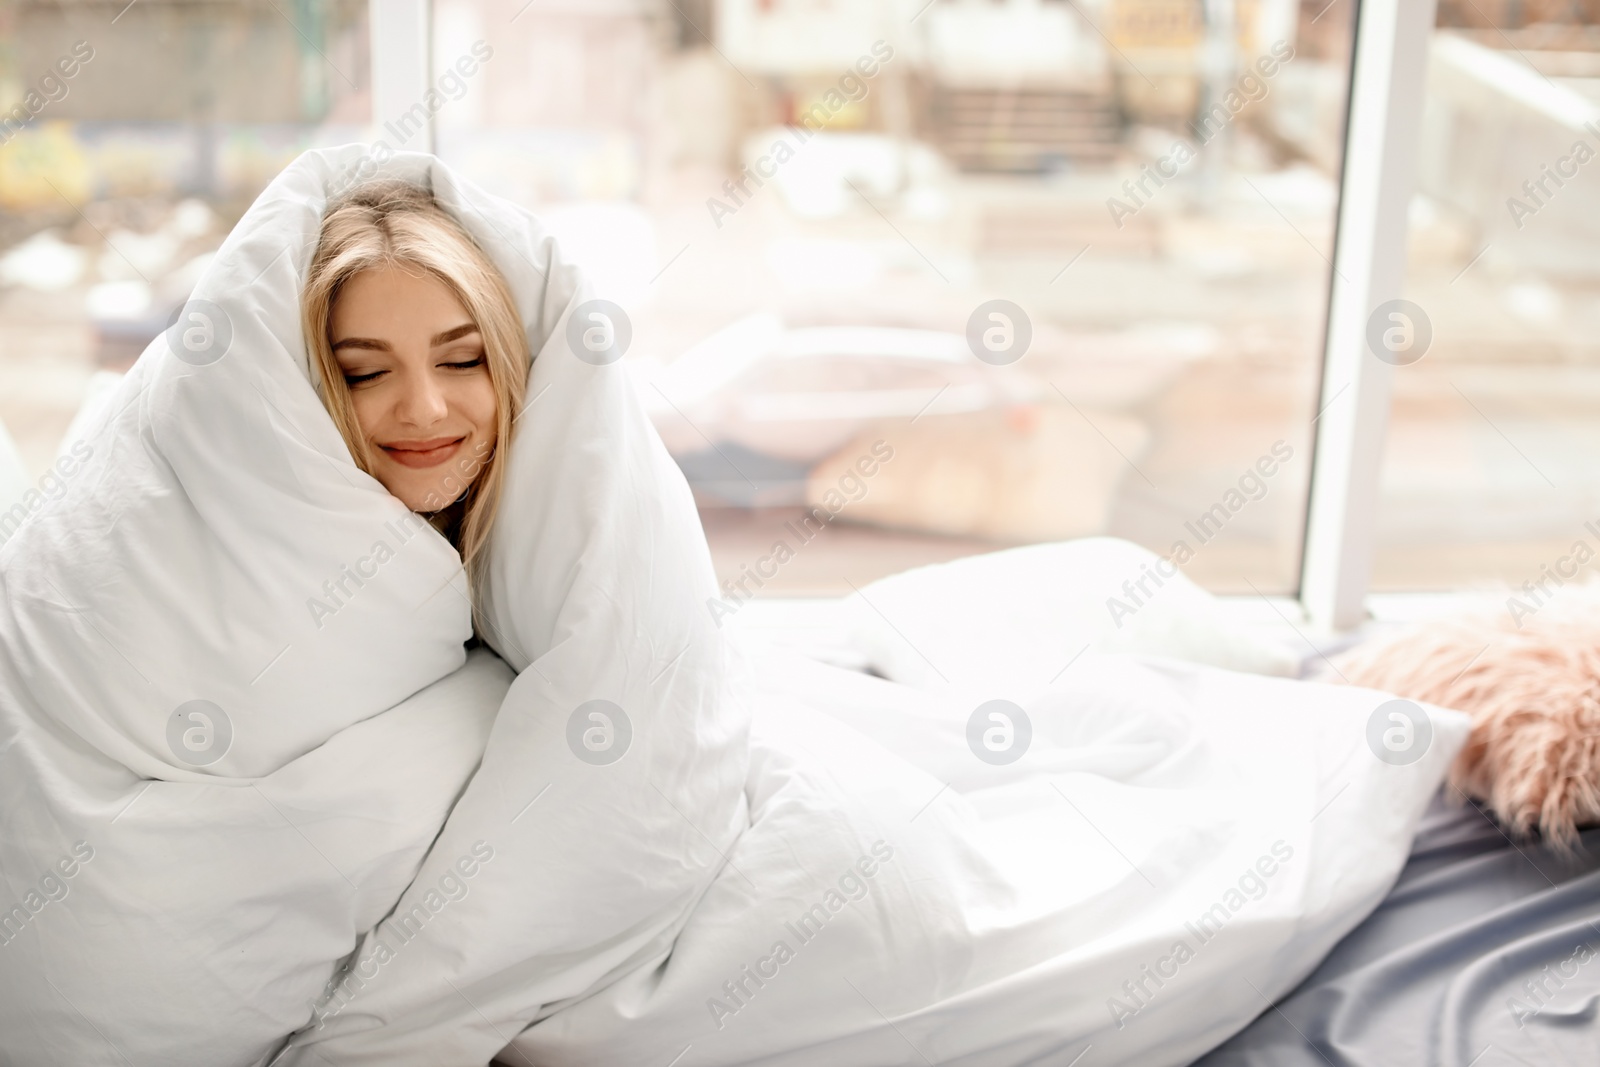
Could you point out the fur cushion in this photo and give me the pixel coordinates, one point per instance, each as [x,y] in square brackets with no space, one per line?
[1530,680]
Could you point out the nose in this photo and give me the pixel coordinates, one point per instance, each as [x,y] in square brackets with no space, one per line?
[421,402]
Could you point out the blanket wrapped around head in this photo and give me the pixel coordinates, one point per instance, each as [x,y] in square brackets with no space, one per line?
[251,780]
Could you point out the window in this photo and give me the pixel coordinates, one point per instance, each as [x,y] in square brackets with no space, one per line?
[817,214]
[1489,470]
[118,179]
[910,280]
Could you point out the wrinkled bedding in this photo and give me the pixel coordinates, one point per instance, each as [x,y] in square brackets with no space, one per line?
[619,833]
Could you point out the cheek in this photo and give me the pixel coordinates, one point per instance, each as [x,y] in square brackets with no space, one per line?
[368,405]
[477,403]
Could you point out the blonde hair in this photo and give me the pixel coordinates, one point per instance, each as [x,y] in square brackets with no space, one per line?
[393,223]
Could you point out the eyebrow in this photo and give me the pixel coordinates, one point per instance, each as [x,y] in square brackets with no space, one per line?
[446,337]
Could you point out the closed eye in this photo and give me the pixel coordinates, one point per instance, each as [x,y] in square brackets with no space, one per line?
[465,365]
[357,379]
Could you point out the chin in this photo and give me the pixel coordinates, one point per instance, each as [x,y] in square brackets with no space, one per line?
[430,500]
[418,496]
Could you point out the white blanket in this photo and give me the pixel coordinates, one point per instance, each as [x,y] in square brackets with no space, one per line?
[626,838]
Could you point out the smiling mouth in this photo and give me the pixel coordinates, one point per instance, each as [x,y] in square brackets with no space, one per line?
[423,453]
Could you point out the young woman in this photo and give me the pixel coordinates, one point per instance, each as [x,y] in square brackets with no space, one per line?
[422,360]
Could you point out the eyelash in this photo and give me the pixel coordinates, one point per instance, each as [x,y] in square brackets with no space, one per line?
[357,379]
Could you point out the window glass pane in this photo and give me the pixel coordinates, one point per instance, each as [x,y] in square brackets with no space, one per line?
[810,208]
[133,137]
[1490,472]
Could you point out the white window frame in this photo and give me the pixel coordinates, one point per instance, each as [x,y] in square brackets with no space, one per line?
[401,32]
[1388,81]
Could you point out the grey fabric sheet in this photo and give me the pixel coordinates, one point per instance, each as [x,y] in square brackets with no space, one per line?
[1484,954]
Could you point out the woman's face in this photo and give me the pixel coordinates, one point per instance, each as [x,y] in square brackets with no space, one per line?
[414,362]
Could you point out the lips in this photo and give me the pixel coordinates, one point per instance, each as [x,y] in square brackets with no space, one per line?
[420,454]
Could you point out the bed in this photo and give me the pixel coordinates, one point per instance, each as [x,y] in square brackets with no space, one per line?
[1483,954]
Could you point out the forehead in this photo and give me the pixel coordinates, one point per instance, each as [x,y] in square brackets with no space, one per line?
[392,302]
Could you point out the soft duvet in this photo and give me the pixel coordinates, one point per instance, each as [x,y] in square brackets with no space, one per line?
[253,786]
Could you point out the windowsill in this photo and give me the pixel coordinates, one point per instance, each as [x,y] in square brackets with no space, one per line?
[815,626]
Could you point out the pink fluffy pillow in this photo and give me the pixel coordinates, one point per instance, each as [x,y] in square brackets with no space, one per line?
[1532,687]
